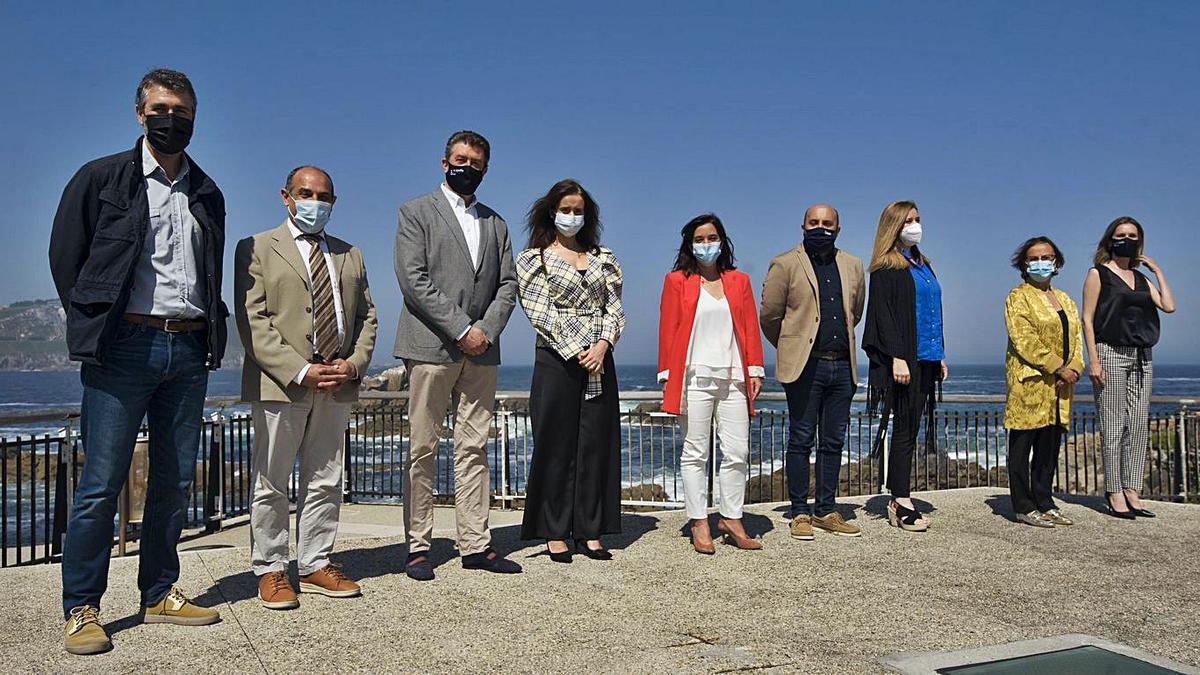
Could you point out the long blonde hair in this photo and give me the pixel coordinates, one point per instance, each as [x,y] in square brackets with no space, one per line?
[886,253]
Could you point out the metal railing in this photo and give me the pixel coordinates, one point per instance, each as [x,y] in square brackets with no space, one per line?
[39,475]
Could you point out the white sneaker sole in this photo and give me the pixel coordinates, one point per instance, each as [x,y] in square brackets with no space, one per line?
[840,534]
[282,604]
[313,588]
[181,620]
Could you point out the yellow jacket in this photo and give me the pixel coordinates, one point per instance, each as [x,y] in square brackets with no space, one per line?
[1035,346]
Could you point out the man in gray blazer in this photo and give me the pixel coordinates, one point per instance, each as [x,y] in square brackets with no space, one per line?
[454,263]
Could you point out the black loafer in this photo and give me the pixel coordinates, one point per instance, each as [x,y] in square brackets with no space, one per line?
[490,561]
[419,568]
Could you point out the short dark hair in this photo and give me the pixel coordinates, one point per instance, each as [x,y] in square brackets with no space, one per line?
[1018,257]
[686,261]
[540,219]
[472,139]
[287,184]
[171,80]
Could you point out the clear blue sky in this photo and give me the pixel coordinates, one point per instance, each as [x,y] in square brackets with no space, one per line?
[1001,119]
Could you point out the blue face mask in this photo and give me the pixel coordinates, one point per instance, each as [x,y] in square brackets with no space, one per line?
[311,215]
[707,254]
[1040,270]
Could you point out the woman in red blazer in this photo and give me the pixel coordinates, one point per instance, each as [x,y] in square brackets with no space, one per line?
[710,362]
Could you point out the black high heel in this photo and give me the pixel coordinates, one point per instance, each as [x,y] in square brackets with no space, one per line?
[594,554]
[562,557]
[1123,515]
[1142,513]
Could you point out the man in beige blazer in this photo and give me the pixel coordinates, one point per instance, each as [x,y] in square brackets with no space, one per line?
[307,322]
[811,301]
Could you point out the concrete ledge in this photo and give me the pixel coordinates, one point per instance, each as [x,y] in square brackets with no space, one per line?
[929,663]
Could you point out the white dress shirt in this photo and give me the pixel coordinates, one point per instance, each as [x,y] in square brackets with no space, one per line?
[166,282]
[305,248]
[468,220]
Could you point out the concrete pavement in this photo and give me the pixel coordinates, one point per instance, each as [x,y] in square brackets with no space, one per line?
[830,605]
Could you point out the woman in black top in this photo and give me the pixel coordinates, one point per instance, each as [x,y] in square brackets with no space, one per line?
[1120,326]
[903,338]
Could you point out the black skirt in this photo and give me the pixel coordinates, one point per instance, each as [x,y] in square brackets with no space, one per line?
[574,486]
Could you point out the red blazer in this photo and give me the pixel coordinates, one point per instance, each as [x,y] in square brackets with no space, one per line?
[677,313]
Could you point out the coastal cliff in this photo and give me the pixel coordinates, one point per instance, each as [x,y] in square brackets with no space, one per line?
[33,337]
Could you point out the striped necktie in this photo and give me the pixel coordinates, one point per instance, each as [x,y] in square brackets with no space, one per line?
[326,342]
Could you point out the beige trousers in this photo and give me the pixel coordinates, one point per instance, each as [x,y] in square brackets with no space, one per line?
[472,389]
[315,429]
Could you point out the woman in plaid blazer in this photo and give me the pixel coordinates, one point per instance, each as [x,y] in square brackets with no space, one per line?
[570,288]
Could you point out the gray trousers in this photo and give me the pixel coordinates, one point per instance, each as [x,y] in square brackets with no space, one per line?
[1123,404]
[314,429]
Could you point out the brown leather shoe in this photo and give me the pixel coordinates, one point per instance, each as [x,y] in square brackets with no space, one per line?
[735,535]
[701,538]
[330,581]
[275,591]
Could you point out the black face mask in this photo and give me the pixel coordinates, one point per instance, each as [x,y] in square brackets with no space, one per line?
[168,134]
[464,180]
[1123,248]
[819,240]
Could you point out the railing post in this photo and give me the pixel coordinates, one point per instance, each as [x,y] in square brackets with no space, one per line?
[347,486]
[712,461]
[1180,455]
[65,486]
[72,458]
[504,451]
[58,538]
[214,486]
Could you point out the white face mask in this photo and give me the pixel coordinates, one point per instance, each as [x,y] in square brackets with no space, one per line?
[911,234]
[568,224]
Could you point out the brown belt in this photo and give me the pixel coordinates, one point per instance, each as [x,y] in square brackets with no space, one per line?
[829,356]
[167,325]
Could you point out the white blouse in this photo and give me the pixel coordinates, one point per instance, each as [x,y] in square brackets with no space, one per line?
[715,355]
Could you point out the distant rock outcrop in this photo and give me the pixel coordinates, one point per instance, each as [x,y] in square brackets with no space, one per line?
[33,337]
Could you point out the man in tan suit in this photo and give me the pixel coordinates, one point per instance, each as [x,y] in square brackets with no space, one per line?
[812,299]
[306,319]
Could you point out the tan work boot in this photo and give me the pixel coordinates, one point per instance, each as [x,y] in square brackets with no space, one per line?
[177,609]
[833,523]
[330,581]
[275,591]
[802,527]
[83,633]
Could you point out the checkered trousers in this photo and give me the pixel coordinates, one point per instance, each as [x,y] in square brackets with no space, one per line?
[1124,407]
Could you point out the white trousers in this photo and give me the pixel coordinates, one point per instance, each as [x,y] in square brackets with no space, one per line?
[315,429]
[725,402]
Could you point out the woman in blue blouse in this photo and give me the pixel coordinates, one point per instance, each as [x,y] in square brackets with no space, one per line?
[903,338]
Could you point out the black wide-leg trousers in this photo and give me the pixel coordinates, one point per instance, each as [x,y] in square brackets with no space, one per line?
[574,486]
[1029,484]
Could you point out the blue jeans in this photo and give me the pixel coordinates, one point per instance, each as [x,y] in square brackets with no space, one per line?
[147,373]
[821,396]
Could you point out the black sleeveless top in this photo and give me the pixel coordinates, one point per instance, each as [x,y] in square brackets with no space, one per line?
[1125,317]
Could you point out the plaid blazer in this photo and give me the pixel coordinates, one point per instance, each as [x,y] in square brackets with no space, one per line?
[572,311]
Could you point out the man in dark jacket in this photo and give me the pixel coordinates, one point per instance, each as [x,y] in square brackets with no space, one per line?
[136,256]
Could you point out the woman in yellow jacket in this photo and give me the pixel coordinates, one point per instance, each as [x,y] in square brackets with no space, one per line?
[1043,363]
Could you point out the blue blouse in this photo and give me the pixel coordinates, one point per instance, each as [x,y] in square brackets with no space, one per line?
[929,312]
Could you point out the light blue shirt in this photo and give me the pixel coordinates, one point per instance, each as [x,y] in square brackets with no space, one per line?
[166,282]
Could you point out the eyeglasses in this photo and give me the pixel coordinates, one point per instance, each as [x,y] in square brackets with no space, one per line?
[1050,257]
